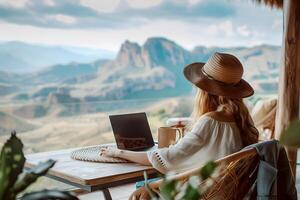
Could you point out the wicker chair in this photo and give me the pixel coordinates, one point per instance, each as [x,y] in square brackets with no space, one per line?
[237,173]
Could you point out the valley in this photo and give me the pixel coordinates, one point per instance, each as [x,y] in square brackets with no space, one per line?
[74,100]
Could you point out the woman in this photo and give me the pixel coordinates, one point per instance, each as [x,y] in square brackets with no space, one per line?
[221,121]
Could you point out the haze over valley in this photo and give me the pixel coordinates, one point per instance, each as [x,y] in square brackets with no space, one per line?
[153,69]
[74,97]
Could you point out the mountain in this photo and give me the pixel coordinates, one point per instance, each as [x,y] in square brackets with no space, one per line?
[155,52]
[10,78]
[10,122]
[164,52]
[65,72]
[153,69]
[57,74]
[138,70]
[23,58]
[10,82]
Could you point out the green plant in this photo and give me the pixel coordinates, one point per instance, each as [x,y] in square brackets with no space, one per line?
[192,189]
[291,137]
[13,180]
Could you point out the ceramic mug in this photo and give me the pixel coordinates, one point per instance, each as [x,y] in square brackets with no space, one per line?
[168,136]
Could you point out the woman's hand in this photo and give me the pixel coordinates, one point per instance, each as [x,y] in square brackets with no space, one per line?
[140,194]
[137,157]
[109,152]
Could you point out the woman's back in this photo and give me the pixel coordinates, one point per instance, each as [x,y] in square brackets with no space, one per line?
[209,139]
[221,121]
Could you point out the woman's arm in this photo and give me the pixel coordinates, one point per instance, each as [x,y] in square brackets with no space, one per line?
[137,157]
[165,159]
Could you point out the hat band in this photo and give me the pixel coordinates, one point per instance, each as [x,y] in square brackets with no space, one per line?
[221,82]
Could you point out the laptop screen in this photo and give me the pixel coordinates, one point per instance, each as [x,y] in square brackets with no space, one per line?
[132,131]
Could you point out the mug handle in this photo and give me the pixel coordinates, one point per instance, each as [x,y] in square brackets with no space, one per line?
[180,134]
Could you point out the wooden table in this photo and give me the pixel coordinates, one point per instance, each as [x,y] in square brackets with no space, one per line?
[89,176]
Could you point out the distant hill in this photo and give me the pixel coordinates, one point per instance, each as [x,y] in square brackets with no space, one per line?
[10,122]
[151,70]
[64,72]
[138,70]
[10,82]
[23,58]
[10,78]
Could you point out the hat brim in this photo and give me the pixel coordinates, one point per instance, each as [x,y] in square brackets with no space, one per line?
[194,74]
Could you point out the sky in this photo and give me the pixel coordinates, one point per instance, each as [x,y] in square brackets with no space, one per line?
[106,24]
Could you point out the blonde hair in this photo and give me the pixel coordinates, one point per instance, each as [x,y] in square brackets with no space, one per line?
[205,102]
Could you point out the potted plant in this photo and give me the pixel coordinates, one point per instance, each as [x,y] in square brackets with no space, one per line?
[14,179]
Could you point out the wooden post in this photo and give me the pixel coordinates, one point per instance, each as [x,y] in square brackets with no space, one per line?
[289,80]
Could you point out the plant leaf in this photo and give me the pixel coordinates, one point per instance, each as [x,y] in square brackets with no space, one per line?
[11,165]
[32,175]
[168,189]
[151,193]
[191,193]
[207,170]
[42,168]
[49,194]
[291,136]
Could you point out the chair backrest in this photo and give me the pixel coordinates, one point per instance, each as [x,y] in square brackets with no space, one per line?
[223,161]
[237,173]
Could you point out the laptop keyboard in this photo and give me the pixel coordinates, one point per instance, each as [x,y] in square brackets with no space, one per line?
[132,143]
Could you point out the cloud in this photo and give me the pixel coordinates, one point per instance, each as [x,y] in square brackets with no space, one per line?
[232,30]
[110,14]
[243,31]
[64,19]
[143,4]
[187,11]
[100,6]
[14,3]
[277,24]
[224,28]
[107,23]
[49,2]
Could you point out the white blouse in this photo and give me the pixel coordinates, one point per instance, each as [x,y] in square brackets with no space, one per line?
[208,140]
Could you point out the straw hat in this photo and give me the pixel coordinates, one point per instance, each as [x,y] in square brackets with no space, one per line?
[221,75]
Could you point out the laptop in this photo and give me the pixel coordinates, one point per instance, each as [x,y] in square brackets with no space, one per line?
[132,131]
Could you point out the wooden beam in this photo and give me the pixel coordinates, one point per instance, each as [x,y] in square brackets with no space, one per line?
[289,80]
